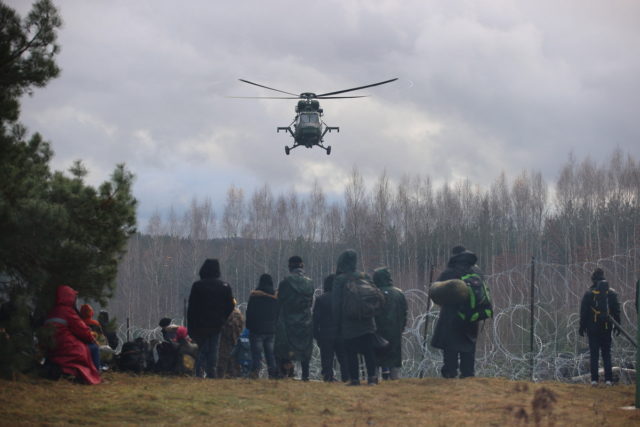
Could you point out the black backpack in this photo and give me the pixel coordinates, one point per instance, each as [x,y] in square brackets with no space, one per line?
[600,304]
[167,357]
[479,306]
[133,356]
[361,299]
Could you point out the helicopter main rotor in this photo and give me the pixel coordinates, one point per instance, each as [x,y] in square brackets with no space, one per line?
[310,95]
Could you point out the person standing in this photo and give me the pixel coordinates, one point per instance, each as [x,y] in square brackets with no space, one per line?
[229,334]
[262,314]
[210,304]
[294,333]
[324,332]
[454,336]
[357,333]
[390,323]
[599,304]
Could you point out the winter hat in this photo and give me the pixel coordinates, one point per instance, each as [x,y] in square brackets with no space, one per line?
[458,250]
[266,284]
[598,274]
[210,269]
[164,322]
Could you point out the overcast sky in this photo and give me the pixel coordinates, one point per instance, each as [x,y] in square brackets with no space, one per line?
[484,87]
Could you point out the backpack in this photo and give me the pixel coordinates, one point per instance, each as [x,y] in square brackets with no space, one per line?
[479,306]
[133,356]
[361,299]
[600,304]
[167,357]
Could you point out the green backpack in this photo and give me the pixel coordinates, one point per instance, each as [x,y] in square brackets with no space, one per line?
[361,299]
[479,306]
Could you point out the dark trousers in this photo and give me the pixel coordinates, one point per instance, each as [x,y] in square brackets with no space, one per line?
[466,363]
[600,342]
[95,354]
[262,343]
[207,356]
[360,345]
[330,349]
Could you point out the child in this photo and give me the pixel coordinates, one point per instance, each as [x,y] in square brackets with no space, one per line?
[242,353]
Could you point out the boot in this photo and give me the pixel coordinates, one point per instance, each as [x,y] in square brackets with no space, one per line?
[353,382]
[372,380]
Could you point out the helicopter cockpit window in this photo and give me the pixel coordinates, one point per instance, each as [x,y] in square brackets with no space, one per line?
[309,118]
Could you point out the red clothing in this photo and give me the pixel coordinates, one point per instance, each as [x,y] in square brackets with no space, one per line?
[86,313]
[71,337]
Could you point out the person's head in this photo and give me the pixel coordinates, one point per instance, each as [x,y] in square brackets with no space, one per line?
[382,277]
[327,285]
[347,262]
[265,284]
[295,262]
[210,269]
[164,322]
[457,250]
[597,275]
[86,311]
[103,317]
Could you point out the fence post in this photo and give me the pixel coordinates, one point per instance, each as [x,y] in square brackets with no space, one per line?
[638,341]
[532,303]
[128,339]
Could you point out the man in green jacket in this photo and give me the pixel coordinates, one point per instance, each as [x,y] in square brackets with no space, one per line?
[390,323]
[294,328]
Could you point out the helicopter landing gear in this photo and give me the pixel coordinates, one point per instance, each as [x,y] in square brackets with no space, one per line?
[328,150]
[287,150]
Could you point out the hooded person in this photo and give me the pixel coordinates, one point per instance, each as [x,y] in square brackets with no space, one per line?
[86,314]
[324,332]
[357,334]
[390,323]
[294,327]
[71,337]
[262,315]
[455,336]
[210,304]
[599,304]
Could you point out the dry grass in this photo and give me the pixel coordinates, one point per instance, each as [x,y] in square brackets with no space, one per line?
[125,399]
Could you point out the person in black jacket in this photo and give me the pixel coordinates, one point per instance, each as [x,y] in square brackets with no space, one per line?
[324,332]
[262,313]
[457,337]
[598,304]
[210,303]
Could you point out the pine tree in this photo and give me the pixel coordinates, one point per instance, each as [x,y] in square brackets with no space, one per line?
[54,229]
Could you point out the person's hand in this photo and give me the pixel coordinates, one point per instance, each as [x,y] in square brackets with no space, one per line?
[581,332]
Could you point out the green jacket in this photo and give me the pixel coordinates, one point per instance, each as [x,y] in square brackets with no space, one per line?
[294,328]
[348,328]
[392,321]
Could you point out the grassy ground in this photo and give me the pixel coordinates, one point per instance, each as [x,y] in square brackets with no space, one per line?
[125,399]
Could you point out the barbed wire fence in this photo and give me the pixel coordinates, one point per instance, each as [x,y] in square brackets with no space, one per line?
[503,347]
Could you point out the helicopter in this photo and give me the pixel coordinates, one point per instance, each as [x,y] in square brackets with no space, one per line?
[308,127]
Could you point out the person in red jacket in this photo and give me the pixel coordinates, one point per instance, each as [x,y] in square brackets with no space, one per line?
[71,336]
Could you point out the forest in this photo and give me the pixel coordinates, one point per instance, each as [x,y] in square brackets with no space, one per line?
[588,217]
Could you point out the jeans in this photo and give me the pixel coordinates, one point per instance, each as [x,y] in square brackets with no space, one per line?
[328,349]
[207,356]
[450,366]
[600,342]
[363,345]
[262,343]
[95,354]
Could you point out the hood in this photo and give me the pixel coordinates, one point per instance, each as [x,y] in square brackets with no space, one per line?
[464,259]
[347,262]
[181,333]
[266,284]
[327,285]
[210,269]
[65,295]
[86,311]
[382,277]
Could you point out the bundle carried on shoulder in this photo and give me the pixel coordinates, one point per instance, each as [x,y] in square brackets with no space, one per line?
[452,291]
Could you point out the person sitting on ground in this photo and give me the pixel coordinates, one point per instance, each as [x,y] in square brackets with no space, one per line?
[599,304]
[168,329]
[86,314]
[70,338]
[262,314]
[108,329]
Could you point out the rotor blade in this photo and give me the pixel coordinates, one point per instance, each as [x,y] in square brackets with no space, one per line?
[264,97]
[267,87]
[356,88]
[341,97]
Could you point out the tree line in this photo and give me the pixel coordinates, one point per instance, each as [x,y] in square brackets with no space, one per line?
[589,213]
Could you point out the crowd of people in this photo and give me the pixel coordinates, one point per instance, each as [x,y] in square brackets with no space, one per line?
[356,315]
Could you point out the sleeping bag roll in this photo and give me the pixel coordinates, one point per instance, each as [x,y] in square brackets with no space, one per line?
[453,291]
